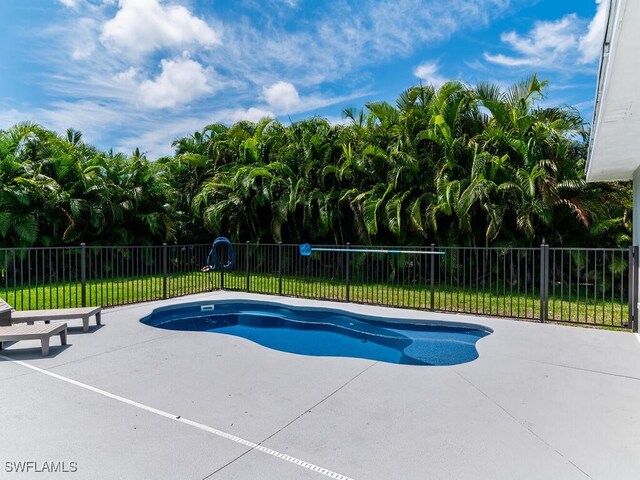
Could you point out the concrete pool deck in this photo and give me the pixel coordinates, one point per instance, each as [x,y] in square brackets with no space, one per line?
[541,402]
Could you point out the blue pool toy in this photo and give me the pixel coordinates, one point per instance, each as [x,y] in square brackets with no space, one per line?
[213,263]
[305,249]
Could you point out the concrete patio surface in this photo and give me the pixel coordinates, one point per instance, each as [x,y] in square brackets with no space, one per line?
[541,402]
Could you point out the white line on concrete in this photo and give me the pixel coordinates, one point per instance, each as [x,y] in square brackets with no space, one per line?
[637,336]
[177,418]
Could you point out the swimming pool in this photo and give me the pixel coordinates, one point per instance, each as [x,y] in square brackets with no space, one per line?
[327,332]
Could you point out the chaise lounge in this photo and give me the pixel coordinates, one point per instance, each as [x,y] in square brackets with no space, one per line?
[10,332]
[31,316]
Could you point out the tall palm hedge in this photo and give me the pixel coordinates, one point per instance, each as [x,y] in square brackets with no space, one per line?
[459,165]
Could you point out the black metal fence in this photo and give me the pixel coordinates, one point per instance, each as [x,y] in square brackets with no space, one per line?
[594,286]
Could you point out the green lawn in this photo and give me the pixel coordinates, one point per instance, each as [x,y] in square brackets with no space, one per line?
[132,290]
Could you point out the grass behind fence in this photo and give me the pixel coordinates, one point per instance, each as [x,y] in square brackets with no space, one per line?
[132,290]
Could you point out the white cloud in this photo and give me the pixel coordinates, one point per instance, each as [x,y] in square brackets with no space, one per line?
[282,96]
[10,117]
[92,118]
[126,76]
[591,42]
[70,3]
[546,45]
[284,99]
[83,43]
[345,36]
[563,44]
[428,72]
[142,26]
[130,128]
[87,116]
[335,120]
[251,114]
[156,140]
[82,52]
[112,85]
[181,81]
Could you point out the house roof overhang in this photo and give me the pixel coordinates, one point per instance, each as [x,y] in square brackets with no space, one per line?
[614,149]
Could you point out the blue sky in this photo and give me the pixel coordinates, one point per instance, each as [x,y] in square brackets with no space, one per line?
[140,73]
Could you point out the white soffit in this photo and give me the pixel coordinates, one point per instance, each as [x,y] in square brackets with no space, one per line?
[614,152]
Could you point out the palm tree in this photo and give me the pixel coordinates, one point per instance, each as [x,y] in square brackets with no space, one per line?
[456,165]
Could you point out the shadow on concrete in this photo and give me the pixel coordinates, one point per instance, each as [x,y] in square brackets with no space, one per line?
[33,353]
[77,330]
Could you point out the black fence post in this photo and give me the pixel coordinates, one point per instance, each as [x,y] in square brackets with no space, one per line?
[246,267]
[541,281]
[432,276]
[636,265]
[279,268]
[544,281]
[165,268]
[83,273]
[633,288]
[346,265]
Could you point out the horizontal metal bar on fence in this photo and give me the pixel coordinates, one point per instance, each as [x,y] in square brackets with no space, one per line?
[365,250]
[589,286]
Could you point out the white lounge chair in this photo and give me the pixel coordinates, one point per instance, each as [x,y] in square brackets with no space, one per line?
[42,332]
[30,316]
[5,313]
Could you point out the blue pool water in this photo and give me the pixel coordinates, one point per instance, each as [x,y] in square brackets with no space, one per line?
[324,332]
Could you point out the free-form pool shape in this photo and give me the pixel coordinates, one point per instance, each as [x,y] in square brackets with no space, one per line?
[325,332]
